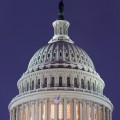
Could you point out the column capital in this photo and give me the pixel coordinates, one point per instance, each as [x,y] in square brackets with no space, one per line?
[21,107]
[26,104]
[108,110]
[88,103]
[99,107]
[95,106]
[32,102]
[40,101]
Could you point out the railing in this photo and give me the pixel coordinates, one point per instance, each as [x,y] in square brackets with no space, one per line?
[60,88]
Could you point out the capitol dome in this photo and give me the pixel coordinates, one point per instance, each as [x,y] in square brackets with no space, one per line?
[61,54]
[60,83]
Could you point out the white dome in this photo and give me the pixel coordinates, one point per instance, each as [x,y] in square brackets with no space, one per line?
[60,54]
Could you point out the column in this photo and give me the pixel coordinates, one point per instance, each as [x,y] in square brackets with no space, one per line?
[33,110]
[48,109]
[65,109]
[84,110]
[40,110]
[99,111]
[93,112]
[41,79]
[48,81]
[13,115]
[37,110]
[17,114]
[10,115]
[104,113]
[45,109]
[27,111]
[22,112]
[87,111]
[108,114]
[56,111]
[74,109]
[81,112]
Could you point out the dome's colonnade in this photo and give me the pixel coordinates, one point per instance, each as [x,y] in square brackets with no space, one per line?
[60,71]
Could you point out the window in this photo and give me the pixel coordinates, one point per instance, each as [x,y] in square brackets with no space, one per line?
[52,111]
[93,87]
[27,86]
[22,88]
[68,111]
[45,82]
[32,85]
[60,111]
[60,81]
[82,84]
[60,54]
[48,55]
[52,82]
[66,54]
[38,83]
[75,82]
[88,85]
[72,55]
[68,82]
[54,54]
[60,30]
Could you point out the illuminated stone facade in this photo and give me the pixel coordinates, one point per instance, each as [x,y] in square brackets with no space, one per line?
[60,69]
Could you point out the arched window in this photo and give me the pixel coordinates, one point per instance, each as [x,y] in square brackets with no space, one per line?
[32,85]
[45,82]
[52,82]
[60,81]
[60,30]
[66,54]
[82,84]
[88,85]
[68,82]
[22,88]
[60,111]
[60,54]
[75,82]
[93,87]
[27,86]
[98,88]
[54,54]
[38,83]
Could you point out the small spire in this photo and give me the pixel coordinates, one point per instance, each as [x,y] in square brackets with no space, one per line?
[61,9]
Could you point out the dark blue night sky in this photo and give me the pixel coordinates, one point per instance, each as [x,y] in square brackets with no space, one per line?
[26,25]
